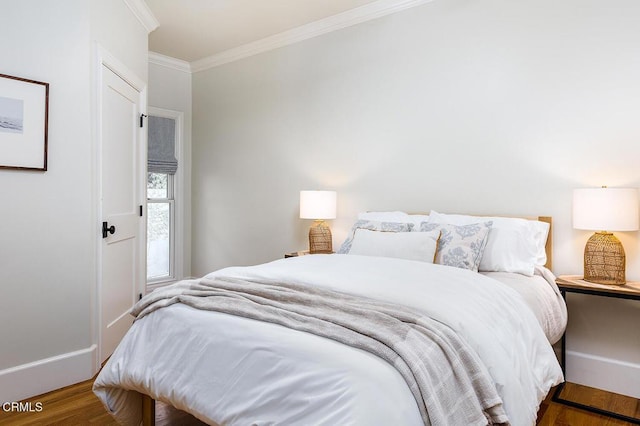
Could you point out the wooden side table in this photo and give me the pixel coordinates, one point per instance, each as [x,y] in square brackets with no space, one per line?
[575,284]
[296,253]
[301,253]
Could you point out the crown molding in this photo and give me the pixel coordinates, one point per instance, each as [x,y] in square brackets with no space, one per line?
[143,13]
[345,19]
[169,62]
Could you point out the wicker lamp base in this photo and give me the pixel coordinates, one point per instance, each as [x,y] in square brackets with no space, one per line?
[604,259]
[320,240]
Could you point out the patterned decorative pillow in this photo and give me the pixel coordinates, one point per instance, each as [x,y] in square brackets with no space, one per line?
[460,246]
[373,225]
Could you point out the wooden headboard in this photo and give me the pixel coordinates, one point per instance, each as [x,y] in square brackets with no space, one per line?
[548,248]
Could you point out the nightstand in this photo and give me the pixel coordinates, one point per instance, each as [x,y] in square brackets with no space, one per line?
[575,284]
[301,253]
[296,253]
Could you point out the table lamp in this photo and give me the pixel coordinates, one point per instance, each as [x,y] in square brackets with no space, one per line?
[318,205]
[605,210]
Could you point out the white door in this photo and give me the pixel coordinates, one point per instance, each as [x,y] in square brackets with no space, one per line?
[121,227]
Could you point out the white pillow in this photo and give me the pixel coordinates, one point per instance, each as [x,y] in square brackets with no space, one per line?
[514,244]
[404,245]
[395,216]
[372,225]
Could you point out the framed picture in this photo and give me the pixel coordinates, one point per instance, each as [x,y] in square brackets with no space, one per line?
[24,110]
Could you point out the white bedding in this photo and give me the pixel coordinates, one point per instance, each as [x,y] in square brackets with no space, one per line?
[542,295]
[232,370]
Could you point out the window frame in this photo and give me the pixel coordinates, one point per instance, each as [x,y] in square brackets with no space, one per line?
[170,200]
[175,184]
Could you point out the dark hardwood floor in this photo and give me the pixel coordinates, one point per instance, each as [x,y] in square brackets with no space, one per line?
[77,405]
[551,413]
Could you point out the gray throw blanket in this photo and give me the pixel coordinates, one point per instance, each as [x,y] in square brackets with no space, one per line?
[449,382]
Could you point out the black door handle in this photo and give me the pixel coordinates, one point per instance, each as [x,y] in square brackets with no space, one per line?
[111,229]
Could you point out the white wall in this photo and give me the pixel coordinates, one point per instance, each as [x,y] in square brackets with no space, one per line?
[118,31]
[170,88]
[489,106]
[46,271]
[47,232]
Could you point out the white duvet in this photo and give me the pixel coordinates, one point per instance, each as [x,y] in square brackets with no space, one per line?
[542,296]
[236,371]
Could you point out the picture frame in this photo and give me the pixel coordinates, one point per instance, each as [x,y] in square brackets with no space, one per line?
[24,115]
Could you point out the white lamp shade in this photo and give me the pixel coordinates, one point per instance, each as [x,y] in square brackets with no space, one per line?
[606,209]
[317,204]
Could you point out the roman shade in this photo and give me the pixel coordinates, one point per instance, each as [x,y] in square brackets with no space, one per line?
[161,145]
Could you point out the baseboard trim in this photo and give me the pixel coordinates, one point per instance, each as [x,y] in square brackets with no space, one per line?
[603,373]
[45,375]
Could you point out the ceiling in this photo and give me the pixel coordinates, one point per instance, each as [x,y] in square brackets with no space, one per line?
[191,30]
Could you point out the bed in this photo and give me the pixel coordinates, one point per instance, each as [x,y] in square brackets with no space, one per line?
[233,369]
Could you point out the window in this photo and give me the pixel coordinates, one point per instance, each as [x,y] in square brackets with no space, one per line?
[161,197]
[160,226]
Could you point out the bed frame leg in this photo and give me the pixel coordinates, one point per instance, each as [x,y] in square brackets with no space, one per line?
[148,410]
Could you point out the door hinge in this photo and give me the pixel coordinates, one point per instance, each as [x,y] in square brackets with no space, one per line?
[142,116]
[140,210]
